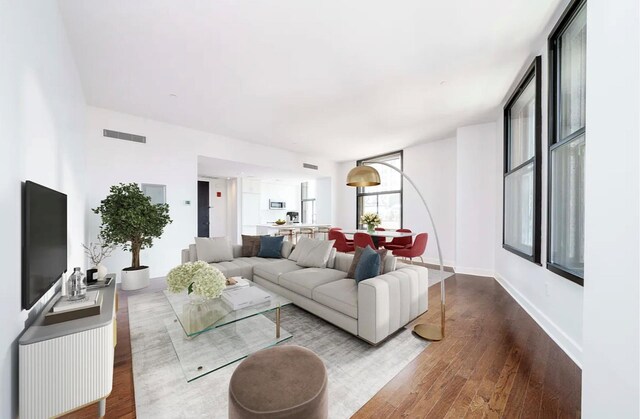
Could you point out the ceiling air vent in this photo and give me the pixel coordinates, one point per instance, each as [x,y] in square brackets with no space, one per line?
[124,136]
[309,166]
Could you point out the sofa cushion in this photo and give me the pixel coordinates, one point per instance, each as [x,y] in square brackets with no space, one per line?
[304,281]
[271,247]
[250,245]
[351,273]
[368,265]
[312,253]
[272,271]
[213,249]
[341,295]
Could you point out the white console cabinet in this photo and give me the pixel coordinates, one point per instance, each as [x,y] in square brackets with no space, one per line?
[68,365]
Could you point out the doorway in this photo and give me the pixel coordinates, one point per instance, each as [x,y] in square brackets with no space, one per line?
[203,208]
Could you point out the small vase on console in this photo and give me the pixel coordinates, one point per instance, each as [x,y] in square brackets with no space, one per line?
[102,272]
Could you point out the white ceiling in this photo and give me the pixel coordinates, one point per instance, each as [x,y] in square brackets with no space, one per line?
[342,79]
[219,168]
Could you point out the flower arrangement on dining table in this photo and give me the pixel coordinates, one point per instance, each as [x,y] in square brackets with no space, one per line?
[198,278]
[371,219]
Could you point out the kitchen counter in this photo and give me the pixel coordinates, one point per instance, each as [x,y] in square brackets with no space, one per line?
[270,228]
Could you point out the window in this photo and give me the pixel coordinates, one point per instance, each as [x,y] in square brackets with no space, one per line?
[386,198]
[522,155]
[567,130]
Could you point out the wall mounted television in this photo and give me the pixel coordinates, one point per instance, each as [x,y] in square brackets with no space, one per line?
[44,241]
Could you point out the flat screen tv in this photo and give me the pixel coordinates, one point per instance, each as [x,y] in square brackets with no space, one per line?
[44,253]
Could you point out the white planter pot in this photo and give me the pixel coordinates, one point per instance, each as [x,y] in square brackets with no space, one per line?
[102,272]
[135,280]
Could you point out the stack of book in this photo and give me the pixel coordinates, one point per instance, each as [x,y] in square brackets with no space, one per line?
[243,297]
[64,309]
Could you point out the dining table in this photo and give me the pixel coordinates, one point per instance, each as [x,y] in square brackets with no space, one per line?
[383,233]
[376,235]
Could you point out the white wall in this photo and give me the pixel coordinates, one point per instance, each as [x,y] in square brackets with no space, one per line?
[610,376]
[42,115]
[475,205]
[553,301]
[169,157]
[324,201]
[432,166]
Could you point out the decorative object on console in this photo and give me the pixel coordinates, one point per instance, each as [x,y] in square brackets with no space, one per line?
[76,285]
[368,265]
[198,278]
[371,220]
[97,252]
[130,220]
[213,249]
[271,247]
[365,175]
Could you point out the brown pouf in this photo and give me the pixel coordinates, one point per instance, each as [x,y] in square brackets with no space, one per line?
[280,382]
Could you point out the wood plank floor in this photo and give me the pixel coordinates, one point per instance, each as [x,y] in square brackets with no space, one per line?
[494,362]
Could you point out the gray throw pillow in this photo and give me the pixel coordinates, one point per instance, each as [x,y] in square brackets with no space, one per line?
[215,249]
[351,273]
[250,245]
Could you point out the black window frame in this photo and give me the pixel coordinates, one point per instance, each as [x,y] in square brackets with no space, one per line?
[554,141]
[532,75]
[360,190]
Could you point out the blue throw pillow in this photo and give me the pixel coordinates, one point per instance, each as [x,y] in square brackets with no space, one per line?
[270,247]
[368,266]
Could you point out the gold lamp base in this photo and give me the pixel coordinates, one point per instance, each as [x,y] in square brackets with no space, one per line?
[428,331]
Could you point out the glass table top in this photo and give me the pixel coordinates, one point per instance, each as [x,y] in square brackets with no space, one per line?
[197,318]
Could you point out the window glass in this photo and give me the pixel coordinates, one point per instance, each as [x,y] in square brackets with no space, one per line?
[567,208]
[522,127]
[518,209]
[573,63]
[384,199]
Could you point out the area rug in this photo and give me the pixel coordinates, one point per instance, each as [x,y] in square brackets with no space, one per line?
[357,370]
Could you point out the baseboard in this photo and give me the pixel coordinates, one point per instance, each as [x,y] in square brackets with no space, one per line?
[435,261]
[568,345]
[474,271]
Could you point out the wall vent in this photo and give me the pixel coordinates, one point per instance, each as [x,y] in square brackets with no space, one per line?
[124,136]
[309,166]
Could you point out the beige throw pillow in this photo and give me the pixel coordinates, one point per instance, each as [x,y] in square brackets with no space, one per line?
[312,253]
[215,249]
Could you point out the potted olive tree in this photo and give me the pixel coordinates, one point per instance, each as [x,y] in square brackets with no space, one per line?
[130,220]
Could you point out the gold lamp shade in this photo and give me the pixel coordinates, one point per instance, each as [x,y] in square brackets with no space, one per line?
[363,176]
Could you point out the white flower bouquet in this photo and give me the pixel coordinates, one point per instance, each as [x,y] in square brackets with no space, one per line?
[371,219]
[198,278]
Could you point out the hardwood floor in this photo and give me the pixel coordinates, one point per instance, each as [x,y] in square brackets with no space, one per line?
[494,362]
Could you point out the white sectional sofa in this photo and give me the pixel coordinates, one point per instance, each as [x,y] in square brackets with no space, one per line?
[372,309]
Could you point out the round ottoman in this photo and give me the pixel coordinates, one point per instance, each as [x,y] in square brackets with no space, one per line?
[280,382]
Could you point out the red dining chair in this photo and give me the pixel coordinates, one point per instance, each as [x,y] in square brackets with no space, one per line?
[399,242]
[363,240]
[416,250]
[341,244]
[349,241]
[381,240]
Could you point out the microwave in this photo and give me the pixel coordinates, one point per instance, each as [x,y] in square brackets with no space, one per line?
[277,205]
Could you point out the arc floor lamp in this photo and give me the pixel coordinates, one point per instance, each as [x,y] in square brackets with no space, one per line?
[365,175]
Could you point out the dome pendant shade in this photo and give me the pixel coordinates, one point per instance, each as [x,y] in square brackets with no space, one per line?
[362,176]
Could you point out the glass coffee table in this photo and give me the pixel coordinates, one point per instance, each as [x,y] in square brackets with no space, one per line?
[209,335]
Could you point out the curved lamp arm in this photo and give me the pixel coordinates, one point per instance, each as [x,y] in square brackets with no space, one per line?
[435,233]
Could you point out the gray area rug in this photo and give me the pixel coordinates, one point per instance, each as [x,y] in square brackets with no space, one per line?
[357,370]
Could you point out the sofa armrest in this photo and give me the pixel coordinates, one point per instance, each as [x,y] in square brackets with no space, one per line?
[184,256]
[388,302]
